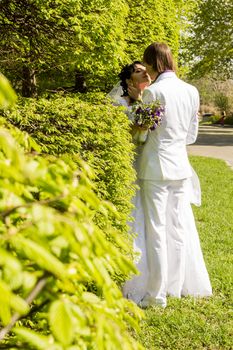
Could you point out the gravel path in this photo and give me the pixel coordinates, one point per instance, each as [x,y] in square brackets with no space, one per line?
[215,142]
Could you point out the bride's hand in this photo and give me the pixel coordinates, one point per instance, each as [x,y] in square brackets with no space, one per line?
[134,92]
[136,128]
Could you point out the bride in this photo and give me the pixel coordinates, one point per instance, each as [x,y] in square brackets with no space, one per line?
[196,282]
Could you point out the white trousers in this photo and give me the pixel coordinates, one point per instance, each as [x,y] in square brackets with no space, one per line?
[162,202]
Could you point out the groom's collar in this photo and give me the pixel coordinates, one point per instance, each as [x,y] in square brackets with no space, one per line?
[165,75]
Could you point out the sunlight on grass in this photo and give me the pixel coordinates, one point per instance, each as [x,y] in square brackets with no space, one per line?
[190,323]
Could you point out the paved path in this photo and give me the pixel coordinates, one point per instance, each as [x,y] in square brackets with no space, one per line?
[214,142]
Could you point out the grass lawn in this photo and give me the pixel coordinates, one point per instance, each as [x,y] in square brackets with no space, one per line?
[190,323]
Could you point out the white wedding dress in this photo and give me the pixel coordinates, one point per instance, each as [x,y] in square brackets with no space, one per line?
[196,282]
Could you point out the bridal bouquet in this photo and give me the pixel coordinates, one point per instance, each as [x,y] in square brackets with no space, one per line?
[146,117]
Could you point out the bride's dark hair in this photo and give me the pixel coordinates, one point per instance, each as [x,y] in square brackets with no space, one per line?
[125,74]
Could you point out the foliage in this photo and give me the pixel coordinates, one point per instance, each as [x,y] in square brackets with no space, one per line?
[51,252]
[214,119]
[56,263]
[229,120]
[209,89]
[204,323]
[39,36]
[7,94]
[103,41]
[222,102]
[48,44]
[150,21]
[98,132]
[208,46]
[34,35]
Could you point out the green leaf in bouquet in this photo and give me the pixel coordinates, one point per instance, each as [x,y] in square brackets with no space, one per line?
[102,275]
[61,322]
[32,170]
[13,277]
[100,334]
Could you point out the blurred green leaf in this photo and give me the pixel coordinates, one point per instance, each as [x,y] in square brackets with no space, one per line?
[7,94]
[39,255]
[38,341]
[61,322]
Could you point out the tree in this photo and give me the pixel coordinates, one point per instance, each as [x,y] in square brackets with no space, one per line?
[38,36]
[35,34]
[222,102]
[150,21]
[209,44]
[102,23]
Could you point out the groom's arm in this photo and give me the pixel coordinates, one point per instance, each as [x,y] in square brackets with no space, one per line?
[194,122]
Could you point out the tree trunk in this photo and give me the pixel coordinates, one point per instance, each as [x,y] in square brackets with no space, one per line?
[29,88]
[80,83]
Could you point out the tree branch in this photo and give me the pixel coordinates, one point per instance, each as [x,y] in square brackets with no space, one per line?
[40,285]
[9,211]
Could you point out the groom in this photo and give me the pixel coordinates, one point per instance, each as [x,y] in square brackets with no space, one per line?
[163,170]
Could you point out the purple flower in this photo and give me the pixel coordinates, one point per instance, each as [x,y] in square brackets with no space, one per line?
[149,115]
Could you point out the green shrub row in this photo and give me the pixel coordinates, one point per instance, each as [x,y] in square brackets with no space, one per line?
[51,251]
[88,125]
[93,128]
[56,265]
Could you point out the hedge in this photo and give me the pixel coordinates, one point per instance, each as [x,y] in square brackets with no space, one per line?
[56,285]
[88,125]
[51,251]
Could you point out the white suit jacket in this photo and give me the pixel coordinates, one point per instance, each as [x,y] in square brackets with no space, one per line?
[164,156]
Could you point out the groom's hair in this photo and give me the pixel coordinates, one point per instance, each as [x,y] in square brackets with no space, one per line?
[159,56]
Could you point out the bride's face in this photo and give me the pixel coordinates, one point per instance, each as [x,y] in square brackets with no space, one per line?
[140,78]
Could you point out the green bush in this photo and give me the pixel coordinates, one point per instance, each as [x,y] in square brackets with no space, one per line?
[229,120]
[51,251]
[56,286]
[94,129]
[215,118]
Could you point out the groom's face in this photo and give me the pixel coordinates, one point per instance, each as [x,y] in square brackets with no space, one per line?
[150,71]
